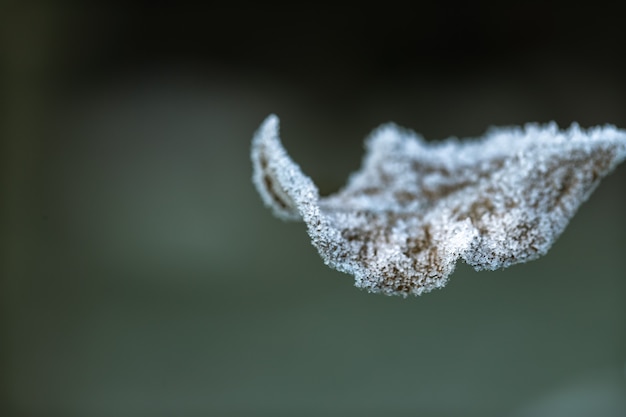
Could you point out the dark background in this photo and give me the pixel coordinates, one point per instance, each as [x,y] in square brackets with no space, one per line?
[141,274]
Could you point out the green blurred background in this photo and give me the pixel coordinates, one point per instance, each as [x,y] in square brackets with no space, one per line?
[141,274]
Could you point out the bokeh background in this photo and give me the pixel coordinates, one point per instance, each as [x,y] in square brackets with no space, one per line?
[141,274]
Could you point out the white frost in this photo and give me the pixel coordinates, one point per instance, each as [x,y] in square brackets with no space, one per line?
[414,208]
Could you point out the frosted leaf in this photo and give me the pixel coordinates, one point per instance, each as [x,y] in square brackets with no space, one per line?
[414,208]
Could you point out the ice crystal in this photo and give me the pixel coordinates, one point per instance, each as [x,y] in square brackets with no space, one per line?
[414,208]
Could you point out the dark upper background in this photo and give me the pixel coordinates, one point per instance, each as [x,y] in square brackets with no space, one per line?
[142,275]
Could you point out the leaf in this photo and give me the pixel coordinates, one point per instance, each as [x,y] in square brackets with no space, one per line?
[414,208]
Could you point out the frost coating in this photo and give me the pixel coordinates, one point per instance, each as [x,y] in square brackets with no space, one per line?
[415,208]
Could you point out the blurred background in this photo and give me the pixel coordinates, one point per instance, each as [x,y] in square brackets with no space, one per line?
[141,274]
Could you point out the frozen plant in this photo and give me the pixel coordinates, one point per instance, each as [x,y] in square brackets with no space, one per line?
[414,208]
